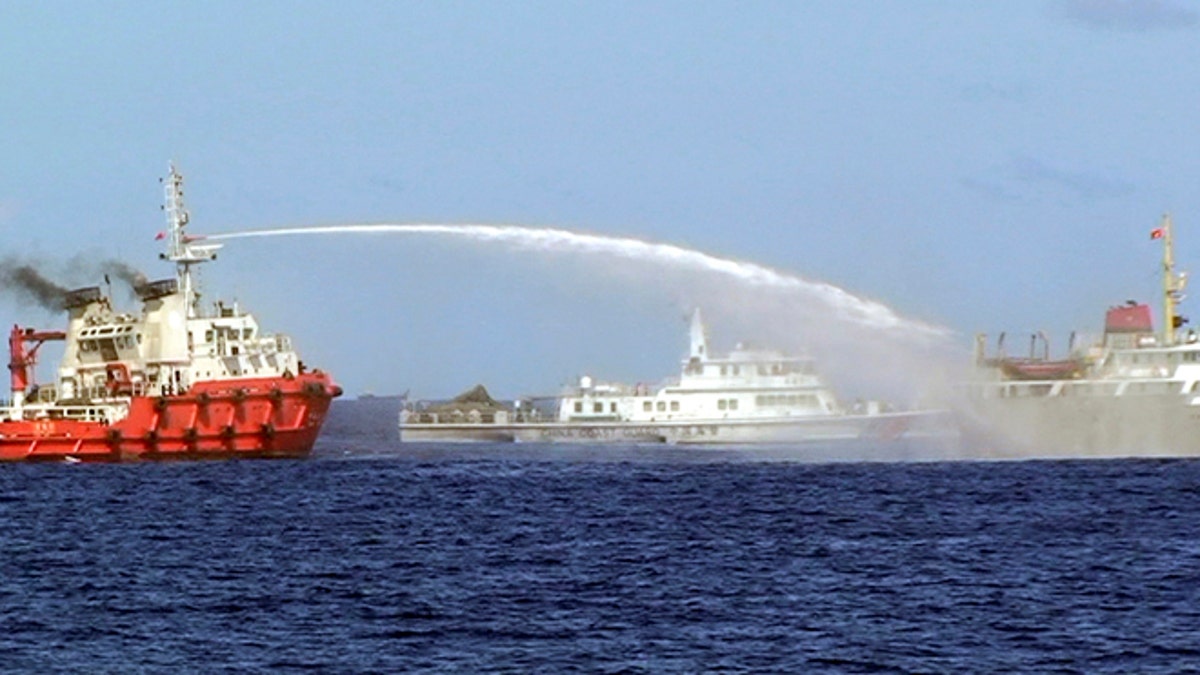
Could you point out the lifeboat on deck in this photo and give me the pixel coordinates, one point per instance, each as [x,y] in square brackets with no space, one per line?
[1040,369]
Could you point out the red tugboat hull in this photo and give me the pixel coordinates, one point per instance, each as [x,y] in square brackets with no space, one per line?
[176,380]
[261,417]
[252,418]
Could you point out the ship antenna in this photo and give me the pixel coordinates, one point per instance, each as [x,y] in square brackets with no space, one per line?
[1173,284]
[182,249]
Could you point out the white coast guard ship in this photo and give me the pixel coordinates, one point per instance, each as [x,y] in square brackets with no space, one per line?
[1134,392]
[745,396]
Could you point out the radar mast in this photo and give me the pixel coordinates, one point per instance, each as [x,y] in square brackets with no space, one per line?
[182,248]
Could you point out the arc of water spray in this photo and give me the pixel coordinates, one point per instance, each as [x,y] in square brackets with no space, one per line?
[852,307]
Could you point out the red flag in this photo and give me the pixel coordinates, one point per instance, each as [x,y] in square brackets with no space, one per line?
[1157,233]
[160,235]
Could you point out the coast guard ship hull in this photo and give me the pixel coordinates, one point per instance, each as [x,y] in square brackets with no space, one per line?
[879,427]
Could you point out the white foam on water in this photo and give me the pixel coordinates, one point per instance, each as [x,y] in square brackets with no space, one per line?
[845,305]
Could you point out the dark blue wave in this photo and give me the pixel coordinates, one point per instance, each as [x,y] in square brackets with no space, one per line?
[373,557]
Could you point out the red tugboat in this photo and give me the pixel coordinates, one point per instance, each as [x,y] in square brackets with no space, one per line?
[174,382]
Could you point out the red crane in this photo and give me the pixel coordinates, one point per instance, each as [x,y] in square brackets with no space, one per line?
[22,358]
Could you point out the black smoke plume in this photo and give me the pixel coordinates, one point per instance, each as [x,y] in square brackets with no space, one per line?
[28,283]
[123,271]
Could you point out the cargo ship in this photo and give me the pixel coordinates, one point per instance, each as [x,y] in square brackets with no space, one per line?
[1132,392]
[177,380]
[746,396]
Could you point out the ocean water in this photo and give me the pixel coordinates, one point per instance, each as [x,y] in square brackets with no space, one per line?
[376,557]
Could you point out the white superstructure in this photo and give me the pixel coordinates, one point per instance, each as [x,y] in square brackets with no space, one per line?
[745,384]
[175,342]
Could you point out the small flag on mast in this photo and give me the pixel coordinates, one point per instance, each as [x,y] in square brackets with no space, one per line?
[1157,233]
[160,235]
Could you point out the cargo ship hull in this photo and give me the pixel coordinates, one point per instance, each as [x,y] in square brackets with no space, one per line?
[1144,425]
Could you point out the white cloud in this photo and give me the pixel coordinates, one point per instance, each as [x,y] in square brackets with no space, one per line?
[1130,15]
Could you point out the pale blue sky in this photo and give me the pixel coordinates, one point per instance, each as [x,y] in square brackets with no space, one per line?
[984,166]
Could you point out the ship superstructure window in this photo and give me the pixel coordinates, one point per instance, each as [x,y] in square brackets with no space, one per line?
[790,400]
[647,406]
[578,406]
[674,406]
[733,404]
[721,404]
[612,407]
[662,406]
[598,407]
